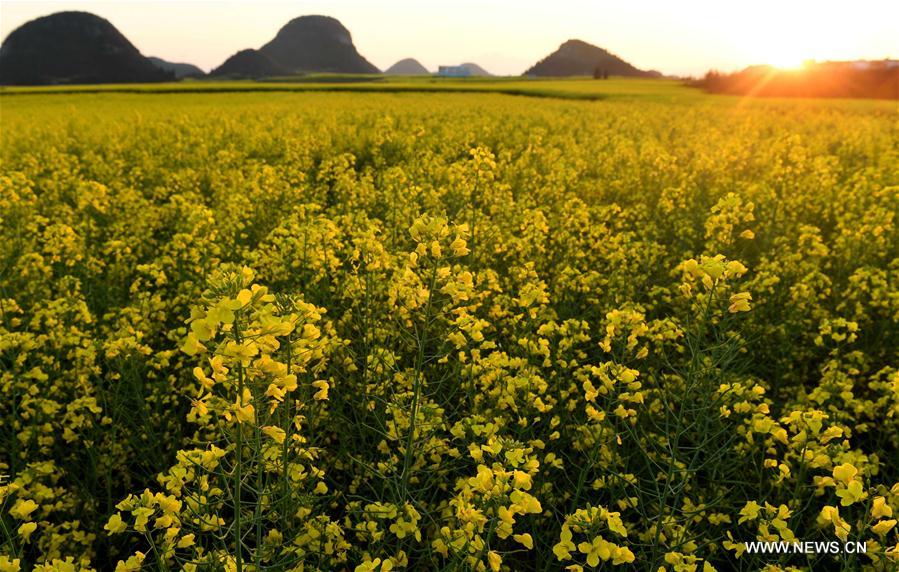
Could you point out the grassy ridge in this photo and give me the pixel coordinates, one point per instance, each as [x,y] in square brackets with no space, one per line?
[566,89]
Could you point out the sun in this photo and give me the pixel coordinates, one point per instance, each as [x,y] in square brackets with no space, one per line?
[788,61]
[789,53]
[787,42]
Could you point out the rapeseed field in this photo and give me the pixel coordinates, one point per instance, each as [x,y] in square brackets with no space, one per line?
[447,331]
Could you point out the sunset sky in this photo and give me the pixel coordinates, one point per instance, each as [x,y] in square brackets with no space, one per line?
[506,37]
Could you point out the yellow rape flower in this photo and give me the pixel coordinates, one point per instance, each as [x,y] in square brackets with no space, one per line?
[376,564]
[853,493]
[622,555]
[495,560]
[244,297]
[244,413]
[206,382]
[23,508]
[738,547]
[322,387]
[186,541]
[884,526]
[880,509]
[739,302]
[526,503]
[599,549]
[563,548]
[831,515]
[506,516]
[524,539]
[168,504]
[27,529]
[844,473]
[459,247]
[275,433]
[115,525]
[241,351]
[735,268]
[749,512]
[133,564]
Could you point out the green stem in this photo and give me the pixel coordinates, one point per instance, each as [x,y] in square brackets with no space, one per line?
[238,476]
[416,386]
[8,535]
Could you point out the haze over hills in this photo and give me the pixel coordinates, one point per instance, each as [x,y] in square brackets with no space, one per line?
[578,58]
[180,70]
[73,47]
[316,44]
[249,63]
[407,66]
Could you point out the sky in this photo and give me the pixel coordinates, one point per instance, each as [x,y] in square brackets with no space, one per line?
[686,37]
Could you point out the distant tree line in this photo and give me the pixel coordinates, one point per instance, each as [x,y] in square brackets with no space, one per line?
[600,72]
[876,79]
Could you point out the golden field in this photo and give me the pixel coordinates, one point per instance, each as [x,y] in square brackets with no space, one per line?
[341,330]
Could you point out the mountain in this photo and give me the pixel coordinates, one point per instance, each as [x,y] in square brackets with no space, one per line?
[316,44]
[180,70]
[475,69]
[73,47]
[408,66]
[249,63]
[575,57]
